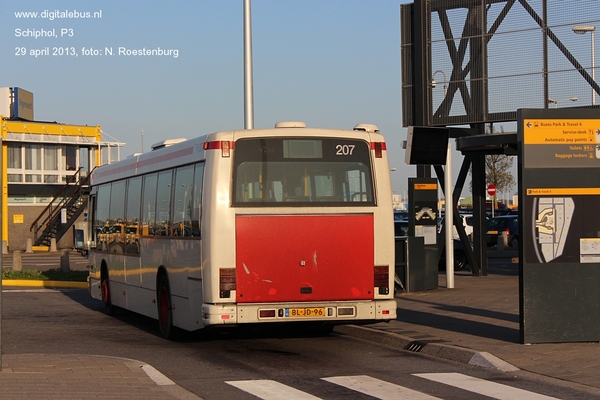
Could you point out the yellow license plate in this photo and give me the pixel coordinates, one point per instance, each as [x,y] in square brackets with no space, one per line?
[492,232]
[307,312]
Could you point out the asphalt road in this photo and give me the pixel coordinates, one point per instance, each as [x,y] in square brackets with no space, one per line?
[225,364]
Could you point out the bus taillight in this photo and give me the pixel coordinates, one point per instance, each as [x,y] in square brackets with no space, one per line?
[226,281]
[224,145]
[382,278]
[378,147]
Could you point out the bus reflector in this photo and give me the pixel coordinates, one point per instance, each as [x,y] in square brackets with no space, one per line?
[345,311]
[385,312]
[382,276]
[267,313]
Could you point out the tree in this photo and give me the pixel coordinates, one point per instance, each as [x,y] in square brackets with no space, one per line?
[498,169]
[498,172]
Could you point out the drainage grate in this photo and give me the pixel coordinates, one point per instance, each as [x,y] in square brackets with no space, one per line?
[415,347]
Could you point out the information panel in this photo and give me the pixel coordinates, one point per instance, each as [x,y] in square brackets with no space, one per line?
[561,143]
[559,194]
[423,196]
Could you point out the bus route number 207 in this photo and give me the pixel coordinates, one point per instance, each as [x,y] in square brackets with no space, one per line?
[344,149]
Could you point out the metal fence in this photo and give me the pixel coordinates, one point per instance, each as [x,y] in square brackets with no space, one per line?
[481,60]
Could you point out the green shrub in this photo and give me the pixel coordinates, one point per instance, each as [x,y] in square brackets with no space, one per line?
[49,275]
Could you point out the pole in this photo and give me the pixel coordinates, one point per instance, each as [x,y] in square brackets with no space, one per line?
[593,69]
[2,177]
[248,94]
[448,218]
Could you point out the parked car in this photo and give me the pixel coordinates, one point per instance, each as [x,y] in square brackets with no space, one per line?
[467,221]
[400,215]
[504,223]
[460,257]
[507,211]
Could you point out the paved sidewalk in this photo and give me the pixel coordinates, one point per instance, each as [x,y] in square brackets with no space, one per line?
[51,376]
[477,322]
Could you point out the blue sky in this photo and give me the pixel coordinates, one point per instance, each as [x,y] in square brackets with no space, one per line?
[330,63]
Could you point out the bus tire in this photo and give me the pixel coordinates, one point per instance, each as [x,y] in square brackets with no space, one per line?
[165,310]
[105,288]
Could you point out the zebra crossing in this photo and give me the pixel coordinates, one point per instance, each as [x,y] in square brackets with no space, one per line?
[272,390]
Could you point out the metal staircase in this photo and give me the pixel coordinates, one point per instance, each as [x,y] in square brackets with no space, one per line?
[73,197]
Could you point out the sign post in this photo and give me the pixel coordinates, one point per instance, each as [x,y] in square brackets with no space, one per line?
[491,189]
[559,245]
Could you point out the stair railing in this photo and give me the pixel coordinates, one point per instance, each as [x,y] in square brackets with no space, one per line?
[53,209]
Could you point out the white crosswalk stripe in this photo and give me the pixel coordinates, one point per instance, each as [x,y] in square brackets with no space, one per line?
[481,386]
[272,390]
[377,388]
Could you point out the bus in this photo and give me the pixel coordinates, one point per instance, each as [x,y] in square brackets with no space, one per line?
[282,225]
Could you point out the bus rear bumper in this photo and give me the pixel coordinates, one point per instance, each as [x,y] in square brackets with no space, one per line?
[330,312]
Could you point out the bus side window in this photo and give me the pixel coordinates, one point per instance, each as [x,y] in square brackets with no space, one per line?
[163,203]
[132,220]
[183,201]
[149,205]
[101,219]
[197,204]
[116,240]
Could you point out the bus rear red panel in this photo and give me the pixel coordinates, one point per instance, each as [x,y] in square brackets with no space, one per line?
[301,258]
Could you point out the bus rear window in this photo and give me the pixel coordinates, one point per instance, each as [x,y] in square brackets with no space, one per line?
[302,171]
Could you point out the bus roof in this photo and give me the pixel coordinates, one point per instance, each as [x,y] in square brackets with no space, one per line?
[172,152]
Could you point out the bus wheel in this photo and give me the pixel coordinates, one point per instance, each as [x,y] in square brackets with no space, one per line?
[108,307]
[165,311]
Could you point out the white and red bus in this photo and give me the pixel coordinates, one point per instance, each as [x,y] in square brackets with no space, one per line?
[281,225]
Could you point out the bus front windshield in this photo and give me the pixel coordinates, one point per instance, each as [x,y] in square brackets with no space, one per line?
[306,171]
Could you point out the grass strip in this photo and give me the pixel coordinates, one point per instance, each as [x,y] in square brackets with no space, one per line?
[49,275]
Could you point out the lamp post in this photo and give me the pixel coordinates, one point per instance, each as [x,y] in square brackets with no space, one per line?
[555,102]
[581,30]
[434,83]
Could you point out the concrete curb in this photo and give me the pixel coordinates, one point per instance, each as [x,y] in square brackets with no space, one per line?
[48,284]
[434,349]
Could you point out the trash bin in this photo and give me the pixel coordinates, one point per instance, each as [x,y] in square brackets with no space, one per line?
[78,238]
[416,264]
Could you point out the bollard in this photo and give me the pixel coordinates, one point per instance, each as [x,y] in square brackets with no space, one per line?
[500,244]
[505,239]
[17,263]
[53,245]
[64,261]
[29,248]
